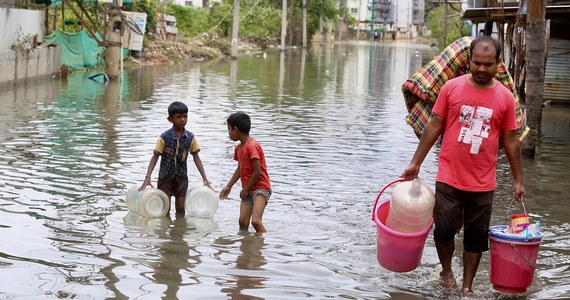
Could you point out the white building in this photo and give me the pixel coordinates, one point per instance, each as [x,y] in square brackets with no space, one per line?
[192,3]
[402,16]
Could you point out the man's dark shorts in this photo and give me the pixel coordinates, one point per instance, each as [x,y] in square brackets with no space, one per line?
[455,208]
[176,186]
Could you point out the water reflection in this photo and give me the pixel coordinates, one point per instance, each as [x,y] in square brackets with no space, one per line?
[176,258]
[245,280]
[332,124]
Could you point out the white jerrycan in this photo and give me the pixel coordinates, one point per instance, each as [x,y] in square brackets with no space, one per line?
[193,185]
[201,201]
[150,202]
[411,207]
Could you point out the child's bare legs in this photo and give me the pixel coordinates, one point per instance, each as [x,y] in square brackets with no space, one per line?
[244,215]
[259,204]
[254,213]
[179,205]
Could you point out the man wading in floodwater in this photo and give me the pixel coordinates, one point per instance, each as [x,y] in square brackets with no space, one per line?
[474,112]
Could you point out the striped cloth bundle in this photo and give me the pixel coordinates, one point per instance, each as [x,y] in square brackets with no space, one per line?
[421,90]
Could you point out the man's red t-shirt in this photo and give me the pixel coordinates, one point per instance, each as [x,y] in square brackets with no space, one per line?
[474,120]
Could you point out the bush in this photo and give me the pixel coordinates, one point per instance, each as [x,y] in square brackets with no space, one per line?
[190,21]
[262,25]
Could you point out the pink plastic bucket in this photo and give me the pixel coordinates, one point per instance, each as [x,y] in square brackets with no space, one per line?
[397,251]
[512,264]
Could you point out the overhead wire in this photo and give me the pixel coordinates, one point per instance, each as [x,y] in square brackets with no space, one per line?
[250,10]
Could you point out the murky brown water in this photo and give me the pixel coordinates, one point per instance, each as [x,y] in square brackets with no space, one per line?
[332,125]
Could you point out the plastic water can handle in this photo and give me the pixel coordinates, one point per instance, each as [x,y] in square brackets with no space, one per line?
[382,191]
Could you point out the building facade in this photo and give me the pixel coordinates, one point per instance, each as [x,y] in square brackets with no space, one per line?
[404,17]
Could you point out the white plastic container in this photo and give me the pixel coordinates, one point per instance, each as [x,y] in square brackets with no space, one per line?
[193,185]
[411,207]
[201,202]
[149,203]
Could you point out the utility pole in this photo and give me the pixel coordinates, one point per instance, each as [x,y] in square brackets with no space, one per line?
[235,30]
[283,23]
[372,23]
[114,36]
[304,23]
[444,44]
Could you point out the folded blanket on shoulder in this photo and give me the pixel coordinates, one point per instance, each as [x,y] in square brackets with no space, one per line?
[421,90]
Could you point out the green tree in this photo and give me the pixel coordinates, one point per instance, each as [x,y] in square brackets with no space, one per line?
[190,21]
[220,18]
[260,20]
[456,27]
[262,24]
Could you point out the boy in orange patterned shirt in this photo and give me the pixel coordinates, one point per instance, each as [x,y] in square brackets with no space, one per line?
[174,146]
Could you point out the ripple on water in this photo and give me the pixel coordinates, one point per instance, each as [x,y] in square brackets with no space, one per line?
[68,153]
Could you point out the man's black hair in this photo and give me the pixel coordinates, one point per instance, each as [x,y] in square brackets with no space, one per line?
[177,107]
[486,38]
[241,121]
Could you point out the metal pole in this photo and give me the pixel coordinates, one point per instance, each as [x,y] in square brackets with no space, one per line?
[304,23]
[372,23]
[444,25]
[283,23]
[235,30]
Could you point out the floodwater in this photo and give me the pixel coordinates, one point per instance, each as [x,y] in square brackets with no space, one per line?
[331,122]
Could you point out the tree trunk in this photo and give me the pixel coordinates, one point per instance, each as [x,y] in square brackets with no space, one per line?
[291,20]
[321,33]
[342,4]
[536,61]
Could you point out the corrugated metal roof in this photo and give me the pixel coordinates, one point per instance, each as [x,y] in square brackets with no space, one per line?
[480,15]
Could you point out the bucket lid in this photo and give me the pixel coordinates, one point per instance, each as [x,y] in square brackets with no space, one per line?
[498,232]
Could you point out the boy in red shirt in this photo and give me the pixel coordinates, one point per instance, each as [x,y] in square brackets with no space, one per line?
[251,170]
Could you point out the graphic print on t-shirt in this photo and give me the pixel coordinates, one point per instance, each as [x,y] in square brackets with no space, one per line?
[475,122]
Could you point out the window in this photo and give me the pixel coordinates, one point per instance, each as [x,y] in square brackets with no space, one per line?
[188,3]
[354,10]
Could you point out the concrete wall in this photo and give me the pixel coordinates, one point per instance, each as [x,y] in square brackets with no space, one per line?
[19,66]
[18,23]
[7,3]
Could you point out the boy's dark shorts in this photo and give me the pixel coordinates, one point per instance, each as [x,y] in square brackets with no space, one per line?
[454,208]
[176,186]
[265,193]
